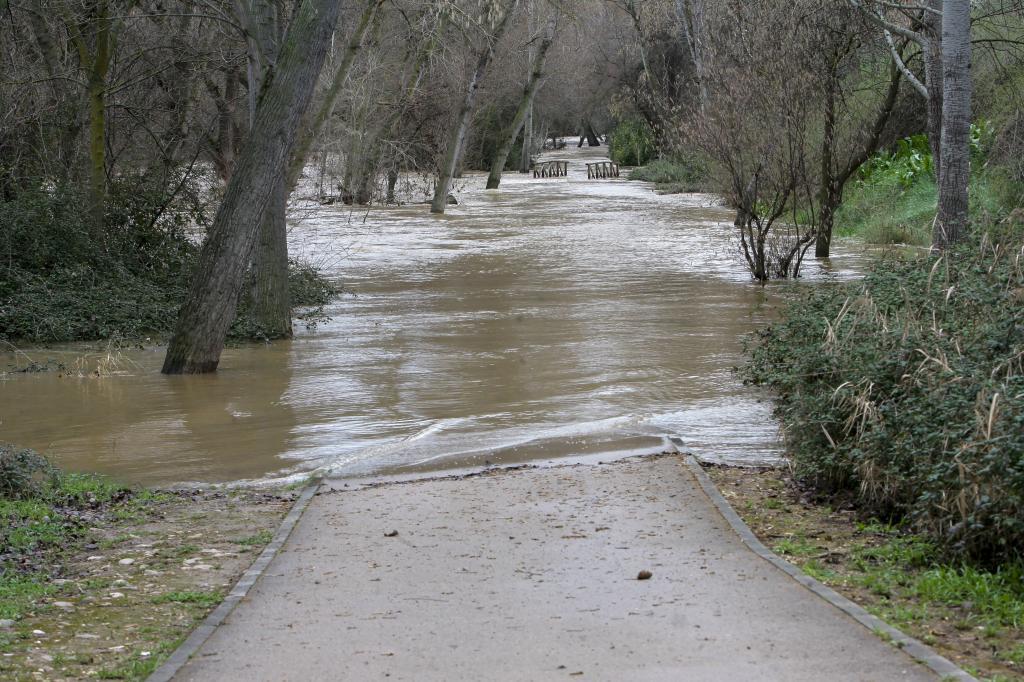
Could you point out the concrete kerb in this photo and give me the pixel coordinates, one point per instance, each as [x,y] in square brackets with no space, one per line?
[920,652]
[190,646]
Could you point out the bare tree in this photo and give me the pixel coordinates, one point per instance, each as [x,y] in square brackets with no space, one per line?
[210,306]
[510,134]
[493,20]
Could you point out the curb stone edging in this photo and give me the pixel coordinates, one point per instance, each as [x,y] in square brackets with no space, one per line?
[920,652]
[180,656]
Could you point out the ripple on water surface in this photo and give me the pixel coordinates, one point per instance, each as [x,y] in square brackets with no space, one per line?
[550,318]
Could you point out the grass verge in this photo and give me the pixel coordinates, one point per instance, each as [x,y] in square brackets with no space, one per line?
[971,615]
[101,581]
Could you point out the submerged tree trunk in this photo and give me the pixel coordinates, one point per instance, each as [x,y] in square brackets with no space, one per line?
[833,177]
[828,195]
[457,140]
[270,304]
[954,178]
[270,296]
[525,103]
[210,306]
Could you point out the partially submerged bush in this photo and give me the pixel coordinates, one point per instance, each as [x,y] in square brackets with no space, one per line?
[683,174]
[23,472]
[907,390]
[56,284]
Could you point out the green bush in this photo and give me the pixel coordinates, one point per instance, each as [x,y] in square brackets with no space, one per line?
[906,391]
[57,284]
[632,143]
[23,473]
[674,174]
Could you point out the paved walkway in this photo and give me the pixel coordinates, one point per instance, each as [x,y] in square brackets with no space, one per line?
[531,575]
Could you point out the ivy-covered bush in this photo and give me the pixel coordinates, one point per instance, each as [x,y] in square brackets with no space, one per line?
[59,284]
[906,391]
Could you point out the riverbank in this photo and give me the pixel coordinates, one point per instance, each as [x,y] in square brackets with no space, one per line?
[100,581]
[971,616]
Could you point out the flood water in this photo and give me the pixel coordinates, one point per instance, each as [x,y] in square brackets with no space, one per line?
[550,318]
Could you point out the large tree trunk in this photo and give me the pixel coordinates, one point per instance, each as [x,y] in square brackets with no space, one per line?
[270,303]
[690,15]
[954,178]
[210,306]
[525,104]
[457,140]
[270,296]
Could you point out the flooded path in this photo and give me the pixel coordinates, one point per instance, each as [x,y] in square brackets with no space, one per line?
[550,318]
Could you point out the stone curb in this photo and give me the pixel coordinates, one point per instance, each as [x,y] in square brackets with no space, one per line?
[190,646]
[917,650]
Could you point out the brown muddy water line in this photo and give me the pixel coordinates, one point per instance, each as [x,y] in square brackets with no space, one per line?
[550,318]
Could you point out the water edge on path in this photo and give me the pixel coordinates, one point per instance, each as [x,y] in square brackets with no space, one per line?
[550,318]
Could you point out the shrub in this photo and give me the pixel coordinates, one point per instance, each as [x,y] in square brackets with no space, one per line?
[677,174]
[906,390]
[632,143]
[56,284]
[23,473]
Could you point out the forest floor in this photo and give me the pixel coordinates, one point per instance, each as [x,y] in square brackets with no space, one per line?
[122,594]
[967,615]
[610,571]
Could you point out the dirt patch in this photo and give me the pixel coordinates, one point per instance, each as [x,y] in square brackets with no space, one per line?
[137,586]
[887,571]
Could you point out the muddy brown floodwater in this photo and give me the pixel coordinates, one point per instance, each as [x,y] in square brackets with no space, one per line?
[549,318]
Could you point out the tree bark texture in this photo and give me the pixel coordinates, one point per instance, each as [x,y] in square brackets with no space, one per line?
[457,140]
[954,178]
[210,306]
[525,103]
[269,298]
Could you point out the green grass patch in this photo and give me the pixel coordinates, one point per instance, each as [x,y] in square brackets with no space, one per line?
[19,592]
[259,539]
[795,546]
[195,597]
[44,514]
[996,596]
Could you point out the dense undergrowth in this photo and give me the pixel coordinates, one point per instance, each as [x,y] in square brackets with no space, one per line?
[906,391]
[894,197]
[60,283]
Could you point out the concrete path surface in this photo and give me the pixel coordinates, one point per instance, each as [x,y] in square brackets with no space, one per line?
[532,575]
